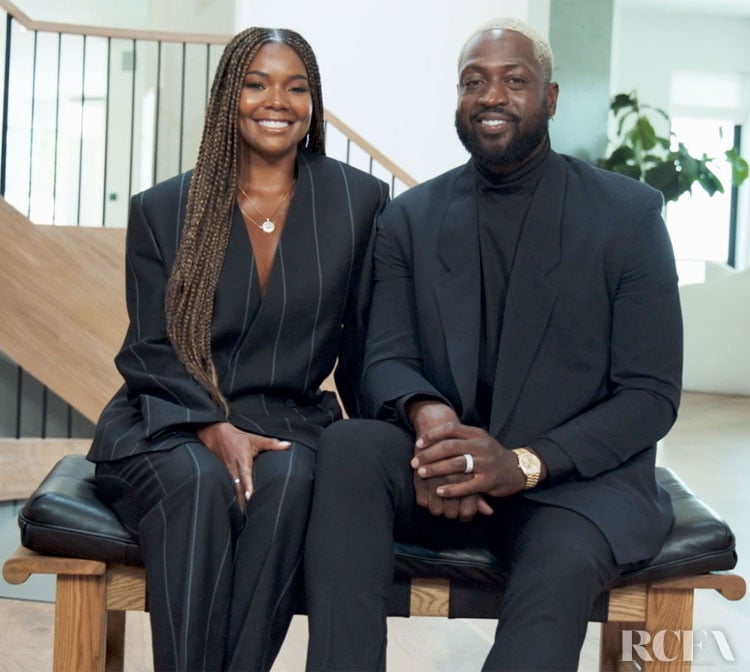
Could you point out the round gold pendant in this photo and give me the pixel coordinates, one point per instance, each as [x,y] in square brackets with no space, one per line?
[268,226]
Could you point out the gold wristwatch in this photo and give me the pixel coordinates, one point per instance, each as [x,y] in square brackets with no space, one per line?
[530,465]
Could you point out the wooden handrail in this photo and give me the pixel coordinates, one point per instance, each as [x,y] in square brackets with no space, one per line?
[383,160]
[119,33]
[200,38]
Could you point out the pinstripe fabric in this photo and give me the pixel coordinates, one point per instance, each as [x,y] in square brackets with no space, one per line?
[271,353]
[222,584]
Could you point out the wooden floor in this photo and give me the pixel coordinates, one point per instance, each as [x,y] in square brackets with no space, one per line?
[709,447]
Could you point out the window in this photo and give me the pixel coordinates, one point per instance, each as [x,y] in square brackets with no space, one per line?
[700,225]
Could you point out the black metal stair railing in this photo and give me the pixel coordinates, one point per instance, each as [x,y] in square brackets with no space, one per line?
[90,117]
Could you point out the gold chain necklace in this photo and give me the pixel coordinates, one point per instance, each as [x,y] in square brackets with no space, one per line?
[268,225]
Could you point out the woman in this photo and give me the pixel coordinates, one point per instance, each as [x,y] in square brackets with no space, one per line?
[247,279]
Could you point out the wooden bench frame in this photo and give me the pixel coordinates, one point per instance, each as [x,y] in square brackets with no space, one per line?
[92,598]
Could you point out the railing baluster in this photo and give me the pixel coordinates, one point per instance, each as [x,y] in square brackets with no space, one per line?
[45,408]
[6,98]
[56,134]
[32,124]
[106,131]
[80,142]
[208,75]
[157,93]
[19,400]
[132,120]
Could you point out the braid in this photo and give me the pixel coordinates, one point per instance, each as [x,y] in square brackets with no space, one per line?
[189,300]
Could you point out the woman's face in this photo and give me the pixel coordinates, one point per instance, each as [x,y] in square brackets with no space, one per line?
[275,106]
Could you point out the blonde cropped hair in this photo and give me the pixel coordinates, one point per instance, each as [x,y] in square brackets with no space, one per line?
[539,43]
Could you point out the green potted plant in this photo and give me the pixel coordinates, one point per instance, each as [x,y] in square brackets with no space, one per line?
[638,151]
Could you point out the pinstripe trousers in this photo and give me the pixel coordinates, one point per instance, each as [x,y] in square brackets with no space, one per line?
[222,584]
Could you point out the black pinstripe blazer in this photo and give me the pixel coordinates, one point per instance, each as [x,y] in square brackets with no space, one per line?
[272,353]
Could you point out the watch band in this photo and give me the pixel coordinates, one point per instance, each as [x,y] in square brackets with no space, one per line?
[530,465]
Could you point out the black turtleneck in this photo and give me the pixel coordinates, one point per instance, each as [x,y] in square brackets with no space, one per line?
[502,204]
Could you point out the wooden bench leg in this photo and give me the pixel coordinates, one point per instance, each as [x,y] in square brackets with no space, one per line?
[669,621]
[80,623]
[610,647]
[115,652]
[662,643]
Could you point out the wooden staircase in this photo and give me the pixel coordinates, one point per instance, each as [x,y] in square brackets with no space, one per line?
[62,297]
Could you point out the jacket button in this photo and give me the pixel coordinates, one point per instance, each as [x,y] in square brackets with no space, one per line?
[291,402]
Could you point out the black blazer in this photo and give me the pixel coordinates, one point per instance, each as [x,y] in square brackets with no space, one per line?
[591,353]
[271,354]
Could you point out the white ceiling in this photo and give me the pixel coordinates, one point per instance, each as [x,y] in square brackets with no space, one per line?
[723,7]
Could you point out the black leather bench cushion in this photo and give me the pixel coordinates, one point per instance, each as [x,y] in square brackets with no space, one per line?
[699,541]
[64,517]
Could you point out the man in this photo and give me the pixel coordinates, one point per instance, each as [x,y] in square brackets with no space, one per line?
[525,352]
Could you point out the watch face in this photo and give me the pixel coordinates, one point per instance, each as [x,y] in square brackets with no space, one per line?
[528,463]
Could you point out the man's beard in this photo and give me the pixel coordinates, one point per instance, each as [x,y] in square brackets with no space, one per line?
[519,147]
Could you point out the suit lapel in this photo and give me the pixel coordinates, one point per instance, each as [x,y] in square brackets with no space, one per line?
[457,292]
[531,297]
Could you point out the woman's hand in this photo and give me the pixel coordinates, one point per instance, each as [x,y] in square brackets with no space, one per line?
[237,450]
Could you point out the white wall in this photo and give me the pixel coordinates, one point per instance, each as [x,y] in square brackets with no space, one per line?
[717,322]
[389,66]
[649,46]
[188,16]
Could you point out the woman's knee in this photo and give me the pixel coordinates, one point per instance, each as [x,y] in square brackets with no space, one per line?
[290,471]
[190,472]
[136,485]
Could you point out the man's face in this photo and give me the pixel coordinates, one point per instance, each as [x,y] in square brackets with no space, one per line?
[504,102]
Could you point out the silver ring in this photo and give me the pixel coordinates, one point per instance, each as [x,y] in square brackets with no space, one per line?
[469,468]
[236,481]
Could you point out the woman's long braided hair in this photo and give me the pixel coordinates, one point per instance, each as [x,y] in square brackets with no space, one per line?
[189,300]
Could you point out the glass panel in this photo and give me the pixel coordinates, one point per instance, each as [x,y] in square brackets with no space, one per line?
[699,224]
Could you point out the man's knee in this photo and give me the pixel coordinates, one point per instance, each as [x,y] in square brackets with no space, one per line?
[569,569]
[362,456]
[361,439]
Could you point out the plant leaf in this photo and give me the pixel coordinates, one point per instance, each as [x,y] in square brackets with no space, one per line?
[622,101]
[646,156]
[666,179]
[739,167]
[629,170]
[623,154]
[708,180]
[644,133]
